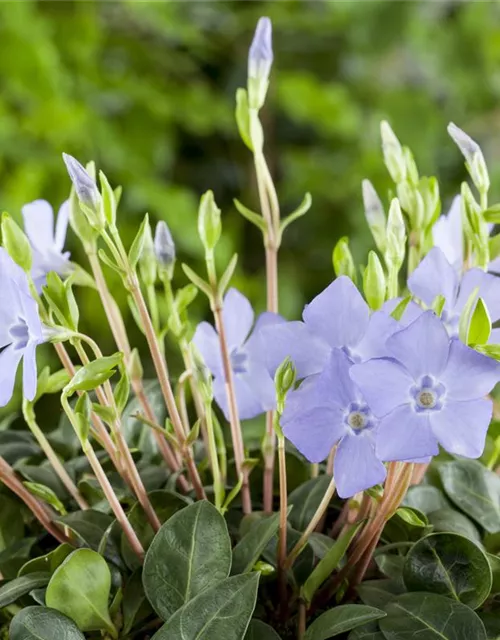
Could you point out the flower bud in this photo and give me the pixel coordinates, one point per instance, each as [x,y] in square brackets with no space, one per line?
[475,162]
[394,156]
[87,192]
[343,262]
[164,245]
[396,236]
[16,243]
[134,367]
[374,213]
[374,282]
[148,265]
[260,60]
[284,380]
[209,223]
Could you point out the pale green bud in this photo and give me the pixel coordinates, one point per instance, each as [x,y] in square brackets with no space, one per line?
[475,162]
[209,221]
[148,265]
[374,282]
[164,250]
[411,166]
[284,381]
[394,156]
[16,243]
[88,194]
[260,60]
[374,213]
[396,236]
[343,262]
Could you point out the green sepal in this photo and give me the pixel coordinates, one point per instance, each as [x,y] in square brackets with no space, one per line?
[47,495]
[94,374]
[300,211]
[108,200]
[138,244]
[16,243]
[255,218]
[197,280]
[243,117]
[480,324]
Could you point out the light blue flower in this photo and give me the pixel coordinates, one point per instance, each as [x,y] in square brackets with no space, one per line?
[260,57]
[47,240]
[20,330]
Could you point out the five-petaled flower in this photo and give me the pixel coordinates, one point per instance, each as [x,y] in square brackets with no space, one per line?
[47,239]
[431,390]
[254,386]
[327,409]
[20,330]
[337,318]
[435,276]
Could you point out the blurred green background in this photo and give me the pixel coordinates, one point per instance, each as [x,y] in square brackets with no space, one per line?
[147,90]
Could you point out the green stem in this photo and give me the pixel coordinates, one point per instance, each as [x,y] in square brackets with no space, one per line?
[219,489]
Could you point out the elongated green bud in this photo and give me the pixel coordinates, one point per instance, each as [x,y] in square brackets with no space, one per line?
[374,282]
[343,262]
[394,156]
[16,243]
[375,214]
[209,222]
[396,236]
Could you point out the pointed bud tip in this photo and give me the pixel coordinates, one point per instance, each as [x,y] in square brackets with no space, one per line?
[164,244]
[260,57]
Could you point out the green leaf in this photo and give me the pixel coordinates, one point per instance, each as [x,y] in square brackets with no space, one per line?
[18,587]
[177,566]
[109,262]
[449,520]
[16,243]
[135,604]
[398,312]
[222,611]
[329,563]
[425,498]
[89,526]
[138,244]
[80,589]
[197,280]
[252,545]
[165,504]
[108,199]
[320,543]
[306,499]
[450,565]
[122,391]
[411,517]
[341,619]
[366,632]
[430,617]
[391,565]
[374,282]
[480,324]
[466,316]
[227,275]
[475,490]
[258,630]
[46,494]
[492,214]
[94,374]
[48,562]
[378,593]
[251,216]
[40,623]
[300,211]
[11,522]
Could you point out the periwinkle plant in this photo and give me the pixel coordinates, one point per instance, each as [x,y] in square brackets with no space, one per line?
[359,396]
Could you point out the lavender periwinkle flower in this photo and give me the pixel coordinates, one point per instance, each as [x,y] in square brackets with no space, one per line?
[254,386]
[47,240]
[336,318]
[430,391]
[20,330]
[85,186]
[260,56]
[435,276]
[328,409]
[448,234]
[164,244]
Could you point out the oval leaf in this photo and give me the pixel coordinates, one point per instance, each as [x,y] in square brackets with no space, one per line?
[18,587]
[433,617]
[223,611]
[252,545]
[40,623]
[341,619]
[306,499]
[258,630]
[80,589]
[190,553]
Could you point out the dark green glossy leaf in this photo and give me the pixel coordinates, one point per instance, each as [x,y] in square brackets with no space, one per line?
[491,621]
[378,593]
[366,632]
[341,619]
[495,572]
[18,587]
[258,630]
[190,553]
[89,526]
[40,623]
[13,558]
[428,616]
[475,490]
[48,562]
[321,544]
[449,520]
[135,604]
[11,522]
[252,545]
[451,565]
[223,611]
[391,565]
[16,445]
[305,500]
[425,498]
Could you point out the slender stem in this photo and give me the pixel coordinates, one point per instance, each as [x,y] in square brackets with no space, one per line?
[282,536]
[234,417]
[119,332]
[214,458]
[392,283]
[41,513]
[302,621]
[114,503]
[181,400]
[29,416]
[107,399]
[160,365]
[323,506]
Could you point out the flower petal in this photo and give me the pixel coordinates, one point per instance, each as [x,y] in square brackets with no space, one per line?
[461,427]
[256,345]
[339,314]
[433,277]
[249,405]
[448,234]
[356,466]
[206,341]
[30,371]
[237,315]
[411,312]
[61,226]
[261,384]
[315,430]
[422,347]
[384,383]
[308,353]
[489,291]
[39,224]
[373,344]
[405,434]
[9,362]
[468,374]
